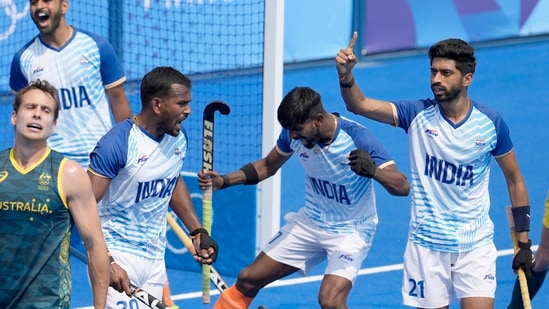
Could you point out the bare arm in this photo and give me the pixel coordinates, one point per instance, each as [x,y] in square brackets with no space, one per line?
[393,180]
[355,101]
[518,194]
[83,208]
[120,106]
[183,207]
[265,168]
[119,278]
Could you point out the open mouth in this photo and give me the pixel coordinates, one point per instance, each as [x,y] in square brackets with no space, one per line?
[34,126]
[42,16]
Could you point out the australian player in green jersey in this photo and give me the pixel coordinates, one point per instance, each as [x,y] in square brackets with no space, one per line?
[42,195]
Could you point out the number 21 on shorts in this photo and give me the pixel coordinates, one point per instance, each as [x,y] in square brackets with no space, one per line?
[417,288]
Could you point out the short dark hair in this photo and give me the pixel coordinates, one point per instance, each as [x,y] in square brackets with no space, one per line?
[42,85]
[458,50]
[158,83]
[298,106]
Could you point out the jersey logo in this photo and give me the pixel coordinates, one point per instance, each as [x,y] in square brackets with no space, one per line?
[480,144]
[84,61]
[3,175]
[431,132]
[304,155]
[39,69]
[142,159]
[44,181]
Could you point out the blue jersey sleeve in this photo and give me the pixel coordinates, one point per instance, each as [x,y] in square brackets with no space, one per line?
[284,141]
[364,139]
[407,111]
[18,80]
[111,152]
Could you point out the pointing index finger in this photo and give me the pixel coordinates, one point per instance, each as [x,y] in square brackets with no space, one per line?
[351,45]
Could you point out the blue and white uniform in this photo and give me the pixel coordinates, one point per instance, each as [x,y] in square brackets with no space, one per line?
[81,71]
[450,250]
[339,218]
[450,172]
[143,172]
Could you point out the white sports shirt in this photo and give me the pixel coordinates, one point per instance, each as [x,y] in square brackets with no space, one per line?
[143,172]
[336,199]
[80,70]
[450,173]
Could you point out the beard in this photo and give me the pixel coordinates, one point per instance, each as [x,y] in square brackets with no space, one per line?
[447,94]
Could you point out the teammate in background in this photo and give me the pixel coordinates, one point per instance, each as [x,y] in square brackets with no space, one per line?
[337,223]
[450,245]
[86,72]
[135,173]
[540,267]
[42,194]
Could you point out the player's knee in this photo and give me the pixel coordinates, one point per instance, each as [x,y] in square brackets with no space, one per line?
[247,284]
[332,301]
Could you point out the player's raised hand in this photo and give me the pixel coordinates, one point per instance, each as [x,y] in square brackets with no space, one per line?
[346,59]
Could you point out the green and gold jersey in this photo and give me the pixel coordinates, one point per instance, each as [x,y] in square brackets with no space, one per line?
[35,224]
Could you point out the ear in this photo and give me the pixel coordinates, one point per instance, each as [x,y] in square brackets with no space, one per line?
[318,119]
[65,6]
[54,126]
[156,105]
[467,79]
[13,117]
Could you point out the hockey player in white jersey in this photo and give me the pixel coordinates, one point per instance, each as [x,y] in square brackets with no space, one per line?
[450,249]
[341,159]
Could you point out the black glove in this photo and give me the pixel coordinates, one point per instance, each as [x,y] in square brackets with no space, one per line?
[362,164]
[206,241]
[524,258]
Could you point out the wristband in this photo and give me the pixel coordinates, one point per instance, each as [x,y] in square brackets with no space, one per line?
[251,174]
[226,181]
[198,231]
[347,85]
[521,216]
[525,245]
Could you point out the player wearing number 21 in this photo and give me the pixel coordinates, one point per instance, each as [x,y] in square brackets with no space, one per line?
[341,160]
[135,171]
[452,138]
[42,194]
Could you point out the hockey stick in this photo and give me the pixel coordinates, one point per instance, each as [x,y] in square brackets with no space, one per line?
[207,164]
[215,277]
[521,275]
[143,296]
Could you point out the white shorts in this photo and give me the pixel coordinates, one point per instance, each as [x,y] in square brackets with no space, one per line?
[149,275]
[302,244]
[432,277]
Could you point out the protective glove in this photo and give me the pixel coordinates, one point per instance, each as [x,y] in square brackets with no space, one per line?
[362,164]
[524,258]
[206,241]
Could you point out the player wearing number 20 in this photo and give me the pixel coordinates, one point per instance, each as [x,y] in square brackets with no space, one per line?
[452,139]
[135,172]
[341,160]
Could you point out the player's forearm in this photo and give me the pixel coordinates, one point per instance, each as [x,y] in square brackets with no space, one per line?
[98,269]
[394,182]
